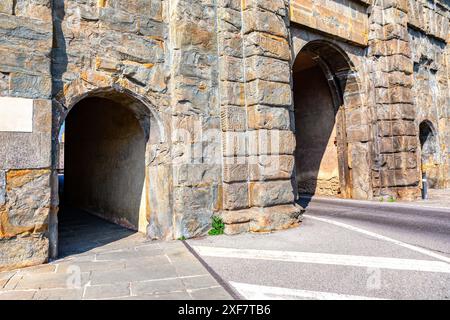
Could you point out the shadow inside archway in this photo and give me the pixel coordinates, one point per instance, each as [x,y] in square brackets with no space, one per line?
[102,184]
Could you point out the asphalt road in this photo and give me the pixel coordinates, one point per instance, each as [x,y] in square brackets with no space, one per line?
[340,251]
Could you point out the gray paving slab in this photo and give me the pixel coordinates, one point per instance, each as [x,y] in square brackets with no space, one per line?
[107,291]
[17,295]
[125,266]
[210,294]
[157,287]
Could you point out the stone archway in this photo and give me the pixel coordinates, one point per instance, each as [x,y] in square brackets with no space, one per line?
[325,86]
[115,139]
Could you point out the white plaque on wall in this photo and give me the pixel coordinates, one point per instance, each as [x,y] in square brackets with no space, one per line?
[16,114]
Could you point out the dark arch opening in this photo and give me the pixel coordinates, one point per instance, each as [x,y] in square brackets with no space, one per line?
[103,172]
[428,146]
[322,74]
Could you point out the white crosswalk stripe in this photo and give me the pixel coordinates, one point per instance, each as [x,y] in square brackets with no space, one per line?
[326,258]
[257,292]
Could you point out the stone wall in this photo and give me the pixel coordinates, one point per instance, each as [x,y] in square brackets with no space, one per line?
[428,31]
[211,84]
[25,155]
[256,108]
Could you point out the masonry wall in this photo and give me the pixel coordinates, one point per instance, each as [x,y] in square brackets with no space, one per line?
[211,84]
[25,153]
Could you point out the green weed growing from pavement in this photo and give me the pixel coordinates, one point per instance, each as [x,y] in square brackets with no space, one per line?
[218,226]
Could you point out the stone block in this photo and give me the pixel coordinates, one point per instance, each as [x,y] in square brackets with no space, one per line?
[232,4]
[270,193]
[265,117]
[231,69]
[268,93]
[267,167]
[234,144]
[271,142]
[230,44]
[233,118]
[22,33]
[36,9]
[397,144]
[397,128]
[276,218]
[7,6]
[276,6]
[398,94]
[395,111]
[28,202]
[30,86]
[264,21]
[262,44]
[232,93]
[398,63]
[2,187]
[149,8]
[127,46]
[400,178]
[237,228]
[25,150]
[266,68]
[229,20]
[23,252]
[14,60]
[121,21]
[235,196]
[193,208]
[190,33]
[235,169]
[193,174]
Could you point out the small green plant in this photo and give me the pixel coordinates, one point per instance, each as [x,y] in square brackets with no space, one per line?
[217,226]
[182,238]
[391,199]
[381,199]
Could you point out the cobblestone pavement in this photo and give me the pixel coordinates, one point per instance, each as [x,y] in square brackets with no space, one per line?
[104,261]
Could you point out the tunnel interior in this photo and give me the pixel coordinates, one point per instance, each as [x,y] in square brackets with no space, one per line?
[317,167]
[102,176]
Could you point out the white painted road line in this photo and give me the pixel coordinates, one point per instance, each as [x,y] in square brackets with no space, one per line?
[326,258]
[255,292]
[381,237]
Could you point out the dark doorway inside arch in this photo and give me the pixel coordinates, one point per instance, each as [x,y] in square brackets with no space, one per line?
[325,86]
[317,166]
[102,180]
[428,146]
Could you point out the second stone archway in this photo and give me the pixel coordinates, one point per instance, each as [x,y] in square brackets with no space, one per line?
[325,85]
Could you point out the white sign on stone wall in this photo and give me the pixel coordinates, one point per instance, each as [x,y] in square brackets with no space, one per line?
[16,114]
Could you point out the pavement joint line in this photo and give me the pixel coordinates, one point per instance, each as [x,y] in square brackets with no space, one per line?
[381,237]
[327,259]
[203,288]
[230,290]
[258,292]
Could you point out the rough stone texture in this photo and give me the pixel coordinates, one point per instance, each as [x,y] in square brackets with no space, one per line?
[212,87]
